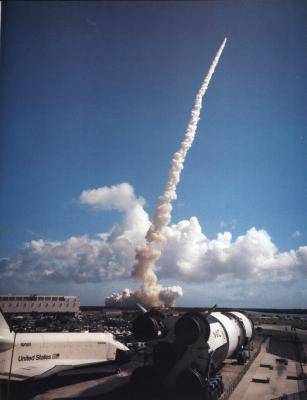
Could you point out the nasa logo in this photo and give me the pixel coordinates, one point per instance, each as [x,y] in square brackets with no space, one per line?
[217,333]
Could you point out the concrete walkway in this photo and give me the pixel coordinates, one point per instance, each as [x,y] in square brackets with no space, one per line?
[278,382]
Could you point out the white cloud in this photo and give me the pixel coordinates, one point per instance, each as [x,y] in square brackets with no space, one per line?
[187,254]
[190,255]
[118,197]
[121,198]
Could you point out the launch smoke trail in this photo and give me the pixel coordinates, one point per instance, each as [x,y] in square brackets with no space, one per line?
[151,293]
[162,215]
[148,254]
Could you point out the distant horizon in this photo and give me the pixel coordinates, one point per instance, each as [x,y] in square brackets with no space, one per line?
[171,307]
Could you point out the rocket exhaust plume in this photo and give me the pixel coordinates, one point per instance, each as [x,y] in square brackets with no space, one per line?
[151,292]
[146,255]
[162,215]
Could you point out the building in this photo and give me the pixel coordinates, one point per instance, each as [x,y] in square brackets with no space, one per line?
[39,304]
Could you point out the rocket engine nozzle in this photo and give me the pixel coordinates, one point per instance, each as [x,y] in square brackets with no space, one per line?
[190,327]
[149,326]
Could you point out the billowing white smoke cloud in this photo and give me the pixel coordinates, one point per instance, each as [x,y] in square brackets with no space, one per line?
[189,255]
[129,298]
[147,254]
[124,299]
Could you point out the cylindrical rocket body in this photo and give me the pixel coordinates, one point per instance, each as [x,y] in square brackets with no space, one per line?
[209,340]
[247,323]
[196,340]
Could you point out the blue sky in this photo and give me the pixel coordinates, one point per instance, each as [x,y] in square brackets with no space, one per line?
[95,94]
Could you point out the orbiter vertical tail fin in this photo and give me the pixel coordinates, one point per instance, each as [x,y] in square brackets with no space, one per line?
[4,328]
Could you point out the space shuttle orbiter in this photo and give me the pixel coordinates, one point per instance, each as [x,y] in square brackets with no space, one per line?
[38,355]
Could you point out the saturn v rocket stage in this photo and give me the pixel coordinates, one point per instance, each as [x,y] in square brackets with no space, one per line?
[187,351]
